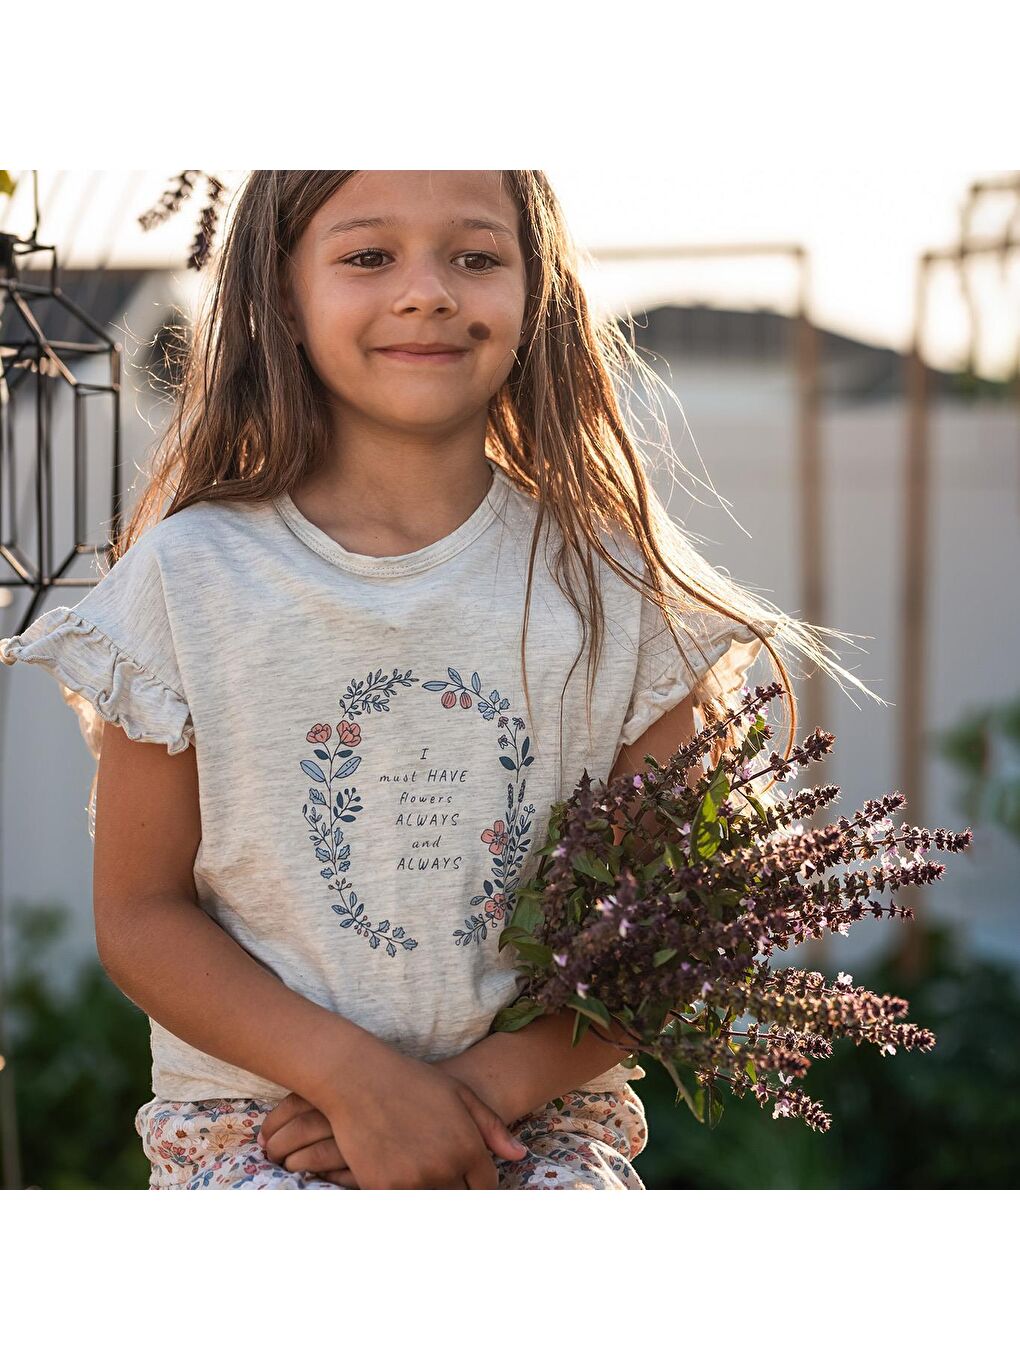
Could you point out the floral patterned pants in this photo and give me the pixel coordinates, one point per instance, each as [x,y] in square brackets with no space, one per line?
[211,1144]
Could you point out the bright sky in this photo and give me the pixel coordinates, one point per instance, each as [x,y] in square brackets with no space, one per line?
[855,130]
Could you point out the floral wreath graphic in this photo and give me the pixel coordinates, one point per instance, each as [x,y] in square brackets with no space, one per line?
[331,848]
[507,839]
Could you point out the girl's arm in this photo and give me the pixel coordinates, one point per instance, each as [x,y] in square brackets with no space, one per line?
[164,952]
[519,1071]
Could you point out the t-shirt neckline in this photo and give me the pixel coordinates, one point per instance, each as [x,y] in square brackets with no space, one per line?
[399,564]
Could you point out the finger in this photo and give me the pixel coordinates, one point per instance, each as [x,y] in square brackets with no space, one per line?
[287,1108]
[301,1131]
[345,1178]
[319,1157]
[497,1136]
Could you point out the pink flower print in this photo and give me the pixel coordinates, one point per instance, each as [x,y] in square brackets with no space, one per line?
[496,906]
[320,732]
[348,734]
[465,699]
[496,836]
[449,699]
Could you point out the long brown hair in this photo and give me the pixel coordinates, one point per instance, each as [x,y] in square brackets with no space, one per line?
[250,422]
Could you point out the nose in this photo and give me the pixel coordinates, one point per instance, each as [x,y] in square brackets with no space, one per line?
[425,291]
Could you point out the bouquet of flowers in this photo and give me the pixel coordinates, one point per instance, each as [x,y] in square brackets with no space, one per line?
[663,937]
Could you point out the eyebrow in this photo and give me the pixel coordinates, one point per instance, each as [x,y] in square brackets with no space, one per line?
[353,223]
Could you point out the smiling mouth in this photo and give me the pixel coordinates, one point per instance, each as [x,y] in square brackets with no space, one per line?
[444,356]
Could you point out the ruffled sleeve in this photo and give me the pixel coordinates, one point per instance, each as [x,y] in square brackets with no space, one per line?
[665,675]
[113,658]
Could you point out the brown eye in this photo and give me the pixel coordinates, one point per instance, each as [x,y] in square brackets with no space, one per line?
[480,255]
[360,254]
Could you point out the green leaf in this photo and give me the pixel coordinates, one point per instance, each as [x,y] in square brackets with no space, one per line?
[706,833]
[674,856]
[755,803]
[662,956]
[586,863]
[682,1093]
[753,742]
[510,934]
[592,1008]
[516,1016]
[649,870]
[527,914]
[581,1023]
[715,1108]
[534,952]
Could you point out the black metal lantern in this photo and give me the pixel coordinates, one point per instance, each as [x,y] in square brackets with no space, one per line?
[42,334]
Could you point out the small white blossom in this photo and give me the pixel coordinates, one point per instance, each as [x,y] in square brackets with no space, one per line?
[844,979]
[560,960]
[887,1048]
[582,989]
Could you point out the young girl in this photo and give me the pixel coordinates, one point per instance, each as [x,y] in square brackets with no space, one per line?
[397,455]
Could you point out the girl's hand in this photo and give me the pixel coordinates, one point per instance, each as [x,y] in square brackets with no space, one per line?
[298,1135]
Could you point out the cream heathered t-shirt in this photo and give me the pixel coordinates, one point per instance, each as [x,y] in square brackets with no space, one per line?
[371,792]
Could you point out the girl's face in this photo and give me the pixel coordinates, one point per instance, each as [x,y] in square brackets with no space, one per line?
[444,265]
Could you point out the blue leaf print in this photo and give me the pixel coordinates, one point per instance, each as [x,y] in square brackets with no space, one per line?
[398,934]
[383,927]
[511,838]
[327,835]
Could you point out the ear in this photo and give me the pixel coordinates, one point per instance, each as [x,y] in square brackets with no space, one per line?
[289,311]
